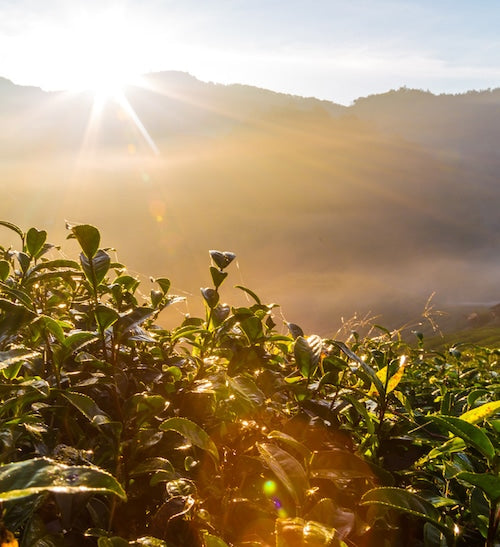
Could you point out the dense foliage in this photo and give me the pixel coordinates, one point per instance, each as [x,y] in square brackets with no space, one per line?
[225,431]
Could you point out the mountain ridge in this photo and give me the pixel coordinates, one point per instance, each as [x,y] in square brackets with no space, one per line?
[340,209]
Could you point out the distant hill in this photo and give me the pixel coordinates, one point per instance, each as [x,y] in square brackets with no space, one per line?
[330,209]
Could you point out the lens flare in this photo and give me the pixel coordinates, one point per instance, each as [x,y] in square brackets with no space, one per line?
[269,488]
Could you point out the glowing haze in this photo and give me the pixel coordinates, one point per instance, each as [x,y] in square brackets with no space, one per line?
[329,49]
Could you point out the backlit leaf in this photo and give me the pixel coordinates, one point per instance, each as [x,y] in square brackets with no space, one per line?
[35,240]
[21,479]
[152,465]
[307,352]
[96,268]
[297,531]
[88,237]
[13,227]
[4,270]
[250,293]
[222,259]
[245,387]
[193,433]
[105,316]
[86,406]
[379,386]
[164,284]
[288,440]
[287,470]
[470,433]
[338,464]
[488,482]
[393,381]
[481,413]
[404,501]
[78,340]
[12,356]
[213,541]
[210,296]
[218,276]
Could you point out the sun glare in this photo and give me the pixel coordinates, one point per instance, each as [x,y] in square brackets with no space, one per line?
[100,53]
[102,57]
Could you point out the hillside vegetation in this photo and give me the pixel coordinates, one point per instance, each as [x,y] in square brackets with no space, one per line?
[229,429]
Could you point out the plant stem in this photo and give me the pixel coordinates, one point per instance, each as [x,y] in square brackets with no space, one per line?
[493,525]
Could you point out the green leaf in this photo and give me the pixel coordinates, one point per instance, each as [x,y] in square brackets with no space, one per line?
[24,261]
[13,356]
[407,502]
[17,294]
[4,270]
[153,465]
[338,464]
[21,479]
[88,237]
[142,406]
[15,317]
[193,433]
[304,533]
[51,326]
[307,352]
[87,407]
[14,228]
[148,541]
[294,330]
[292,443]
[488,482]
[78,340]
[391,383]
[128,282]
[220,313]
[476,394]
[96,268]
[252,327]
[362,411]
[330,514]
[250,293]
[218,276]
[34,241]
[245,388]
[114,541]
[210,296]
[481,413]
[222,259]
[181,487]
[287,470]
[455,444]
[213,541]
[480,510]
[105,316]
[55,265]
[472,434]
[133,319]
[164,284]
[366,368]
[156,297]
[433,537]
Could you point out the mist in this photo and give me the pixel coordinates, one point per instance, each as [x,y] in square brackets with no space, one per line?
[330,210]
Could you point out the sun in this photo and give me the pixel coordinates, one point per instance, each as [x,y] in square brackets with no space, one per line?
[101,57]
[100,53]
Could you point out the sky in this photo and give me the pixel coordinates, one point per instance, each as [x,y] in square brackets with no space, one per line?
[337,50]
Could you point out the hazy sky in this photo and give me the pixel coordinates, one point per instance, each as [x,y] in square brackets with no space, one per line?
[332,49]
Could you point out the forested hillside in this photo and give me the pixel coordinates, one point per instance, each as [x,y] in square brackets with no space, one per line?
[370,207]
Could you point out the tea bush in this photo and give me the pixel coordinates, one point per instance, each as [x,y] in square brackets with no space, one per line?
[224,431]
